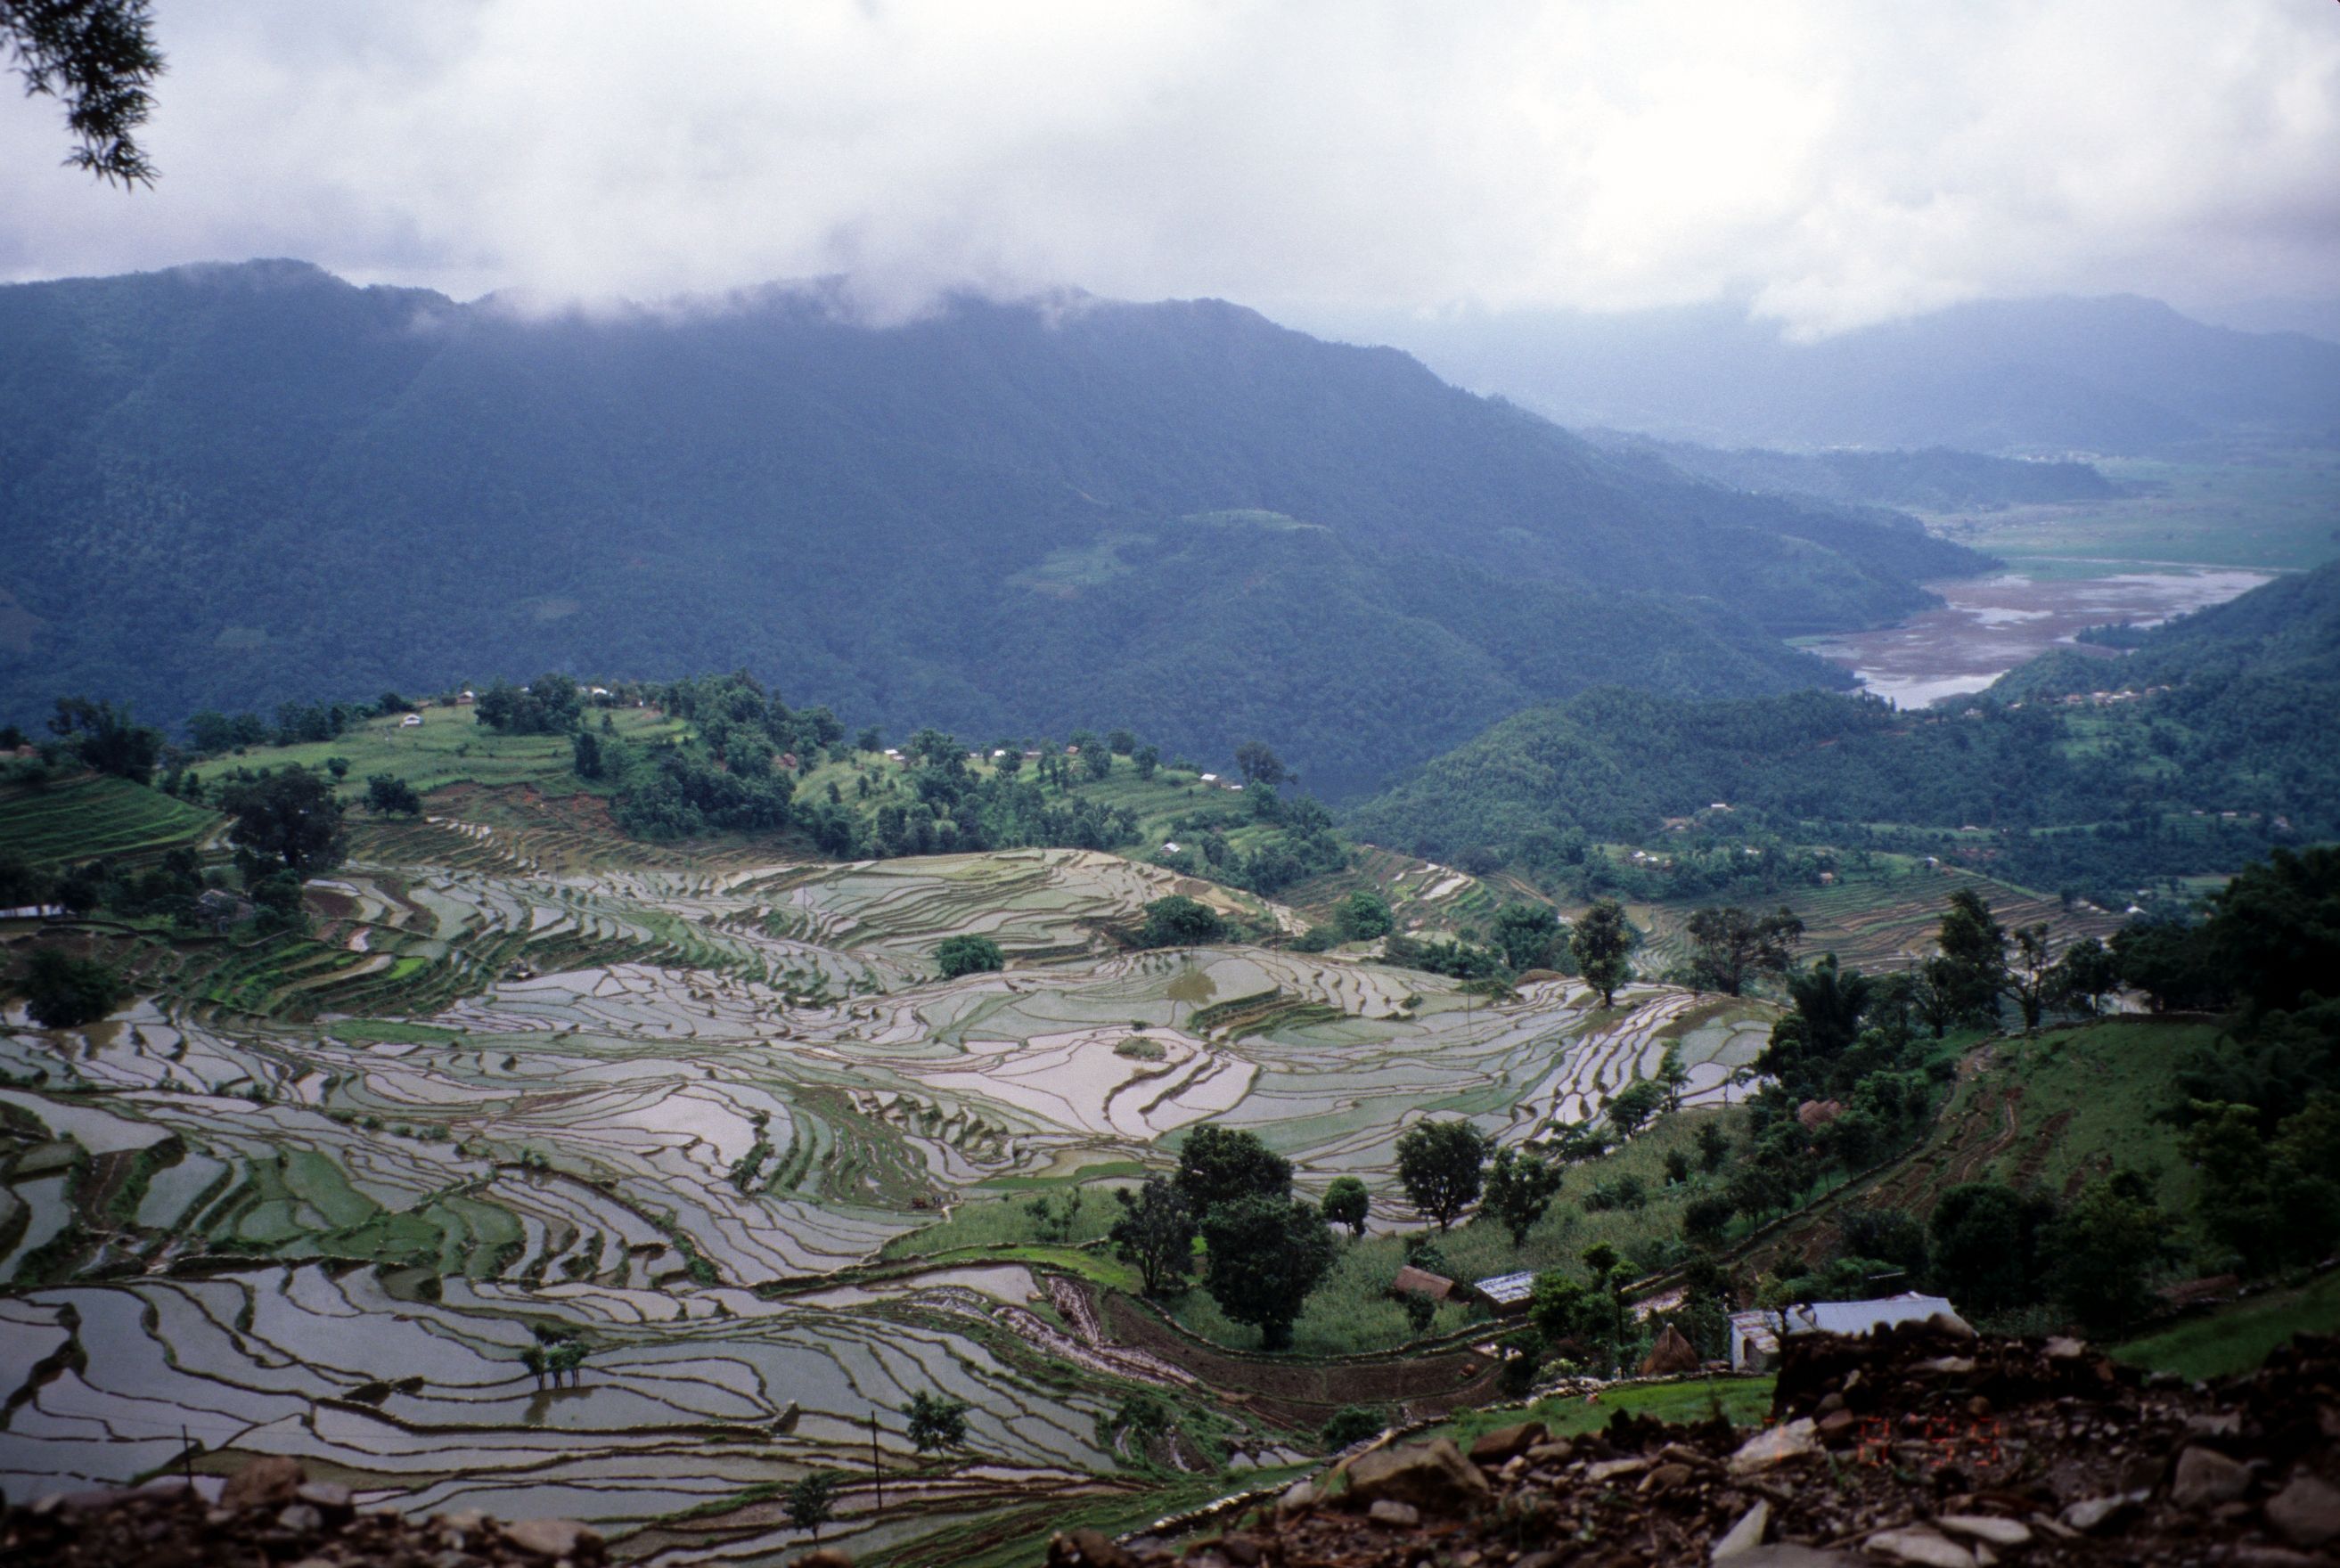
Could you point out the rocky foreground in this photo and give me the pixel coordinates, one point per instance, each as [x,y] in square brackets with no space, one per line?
[1923,1445]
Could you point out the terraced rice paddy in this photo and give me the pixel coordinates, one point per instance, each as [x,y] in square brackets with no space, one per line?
[1884,924]
[96,816]
[318,1197]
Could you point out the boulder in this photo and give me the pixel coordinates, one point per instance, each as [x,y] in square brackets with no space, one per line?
[1917,1544]
[1987,1528]
[1433,1476]
[2094,1513]
[2206,1478]
[1493,1448]
[1776,1446]
[1745,1535]
[1671,1355]
[1090,1548]
[554,1538]
[2306,1512]
[271,1480]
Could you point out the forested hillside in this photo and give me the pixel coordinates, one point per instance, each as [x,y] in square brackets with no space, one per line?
[228,486]
[2190,754]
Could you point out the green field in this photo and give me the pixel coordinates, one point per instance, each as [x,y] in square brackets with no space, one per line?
[2238,1337]
[1742,1400]
[2272,515]
[448,746]
[92,816]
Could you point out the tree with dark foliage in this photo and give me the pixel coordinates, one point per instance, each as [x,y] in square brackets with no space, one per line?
[288,818]
[1442,1164]
[1267,1254]
[63,992]
[1519,1188]
[106,739]
[1729,945]
[1599,941]
[1220,1165]
[98,58]
[1155,1235]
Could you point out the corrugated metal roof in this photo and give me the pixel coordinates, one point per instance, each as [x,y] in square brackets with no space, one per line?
[1506,1288]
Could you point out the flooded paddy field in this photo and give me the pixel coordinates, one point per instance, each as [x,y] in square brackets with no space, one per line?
[675,1117]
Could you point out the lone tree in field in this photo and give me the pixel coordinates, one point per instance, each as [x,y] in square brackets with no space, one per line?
[811,1500]
[968,955]
[1259,765]
[2031,977]
[1729,946]
[1155,1235]
[1631,1106]
[388,795]
[1178,921]
[1526,933]
[937,1421]
[2082,977]
[1599,941]
[1520,1187]
[1974,948]
[1440,1165]
[1364,916]
[1267,1254]
[289,818]
[63,992]
[1346,1202]
[1220,1165]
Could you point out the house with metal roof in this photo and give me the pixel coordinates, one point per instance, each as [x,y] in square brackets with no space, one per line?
[1755,1335]
[1506,1293]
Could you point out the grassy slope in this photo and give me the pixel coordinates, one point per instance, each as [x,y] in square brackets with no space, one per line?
[449,746]
[2052,1110]
[84,817]
[1742,1400]
[2237,1338]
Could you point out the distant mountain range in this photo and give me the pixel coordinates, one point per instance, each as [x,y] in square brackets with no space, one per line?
[229,486]
[2118,376]
[1933,479]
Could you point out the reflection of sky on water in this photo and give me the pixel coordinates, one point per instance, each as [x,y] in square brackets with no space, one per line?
[1987,626]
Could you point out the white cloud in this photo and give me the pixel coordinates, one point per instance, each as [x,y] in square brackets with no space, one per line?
[1832,163]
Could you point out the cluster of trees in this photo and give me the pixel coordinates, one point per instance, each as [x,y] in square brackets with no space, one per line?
[1267,1250]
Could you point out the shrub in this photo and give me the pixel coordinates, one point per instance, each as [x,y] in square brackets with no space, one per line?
[968,955]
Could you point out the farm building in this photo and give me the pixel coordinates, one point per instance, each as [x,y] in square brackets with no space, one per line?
[1505,1293]
[1755,1335]
[1436,1286]
[411,722]
[35,912]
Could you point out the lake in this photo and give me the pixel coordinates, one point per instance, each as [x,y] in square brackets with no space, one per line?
[1989,625]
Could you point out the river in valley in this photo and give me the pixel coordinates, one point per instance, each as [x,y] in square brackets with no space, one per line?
[1989,625]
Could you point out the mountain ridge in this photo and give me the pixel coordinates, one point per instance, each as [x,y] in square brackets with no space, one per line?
[225,474]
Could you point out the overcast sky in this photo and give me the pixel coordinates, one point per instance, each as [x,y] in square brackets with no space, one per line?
[1832,163]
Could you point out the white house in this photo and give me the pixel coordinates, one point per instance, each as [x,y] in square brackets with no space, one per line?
[1755,1335]
[411,722]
